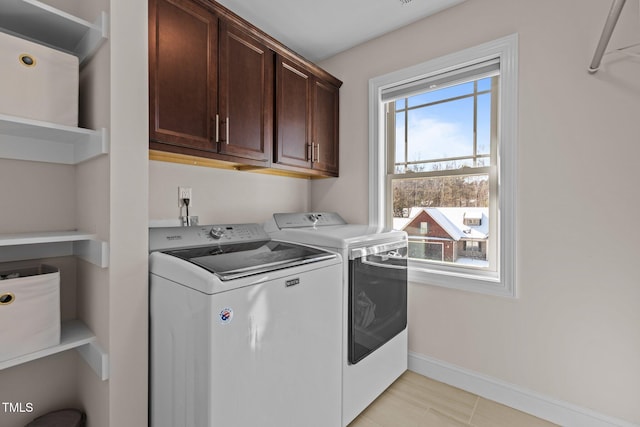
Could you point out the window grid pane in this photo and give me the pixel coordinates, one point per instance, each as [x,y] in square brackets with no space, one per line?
[420,128]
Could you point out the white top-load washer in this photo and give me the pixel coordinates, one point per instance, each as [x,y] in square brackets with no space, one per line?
[244,330]
[374,299]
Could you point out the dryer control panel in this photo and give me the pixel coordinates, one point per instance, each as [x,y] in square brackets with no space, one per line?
[307,219]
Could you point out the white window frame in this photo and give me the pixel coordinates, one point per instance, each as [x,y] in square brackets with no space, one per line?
[502,281]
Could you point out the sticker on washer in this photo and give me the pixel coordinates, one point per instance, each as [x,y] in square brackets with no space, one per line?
[226,316]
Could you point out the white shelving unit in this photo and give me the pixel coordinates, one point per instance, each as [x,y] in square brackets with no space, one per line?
[75,334]
[26,139]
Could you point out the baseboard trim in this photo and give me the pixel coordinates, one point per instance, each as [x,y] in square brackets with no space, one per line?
[541,406]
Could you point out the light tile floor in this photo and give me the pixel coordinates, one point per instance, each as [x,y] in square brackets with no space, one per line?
[417,401]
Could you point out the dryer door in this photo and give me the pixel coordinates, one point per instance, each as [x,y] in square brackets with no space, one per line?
[377,298]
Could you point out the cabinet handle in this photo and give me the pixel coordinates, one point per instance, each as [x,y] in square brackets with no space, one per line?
[217,128]
[227,140]
[310,152]
[315,152]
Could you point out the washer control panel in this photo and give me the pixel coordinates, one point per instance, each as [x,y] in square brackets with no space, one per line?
[164,238]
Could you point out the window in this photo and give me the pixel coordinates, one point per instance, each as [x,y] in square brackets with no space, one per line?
[442,160]
[472,219]
[424,228]
[472,246]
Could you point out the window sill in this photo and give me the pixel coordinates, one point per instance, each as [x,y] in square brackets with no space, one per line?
[470,281]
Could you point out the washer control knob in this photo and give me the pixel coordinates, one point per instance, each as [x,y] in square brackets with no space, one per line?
[216,232]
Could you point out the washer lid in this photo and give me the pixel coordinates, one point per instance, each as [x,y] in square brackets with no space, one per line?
[232,261]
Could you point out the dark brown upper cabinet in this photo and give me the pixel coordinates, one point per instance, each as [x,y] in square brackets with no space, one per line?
[294,86]
[307,120]
[183,76]
[325,127]
[222,90]
[245,95]
[211,86]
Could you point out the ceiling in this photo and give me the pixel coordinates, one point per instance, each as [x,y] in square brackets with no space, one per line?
[320,29]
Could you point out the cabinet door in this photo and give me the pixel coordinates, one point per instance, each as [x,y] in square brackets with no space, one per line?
[182,74]
[245,96]
[293,106]
[325,127]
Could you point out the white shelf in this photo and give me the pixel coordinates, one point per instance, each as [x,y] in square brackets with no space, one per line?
[74,334]
[15,247]
[26,139]
[49,26]
[43,237]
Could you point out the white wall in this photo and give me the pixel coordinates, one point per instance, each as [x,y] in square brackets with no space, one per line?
[92,200]
[223,196]
[128,195]
[573,333]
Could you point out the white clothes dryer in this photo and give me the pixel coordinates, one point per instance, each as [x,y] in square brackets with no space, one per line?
[374,275]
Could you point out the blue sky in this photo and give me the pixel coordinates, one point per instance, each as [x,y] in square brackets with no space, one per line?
[445,129]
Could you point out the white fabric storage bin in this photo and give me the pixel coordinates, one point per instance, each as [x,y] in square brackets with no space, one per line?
[38,82]
[29,310]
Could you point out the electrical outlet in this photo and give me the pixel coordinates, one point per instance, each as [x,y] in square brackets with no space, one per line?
[185,193]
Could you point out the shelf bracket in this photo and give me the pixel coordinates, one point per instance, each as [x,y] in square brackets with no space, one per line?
[93,38]
[96,358]
[97,143]
[94,251]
